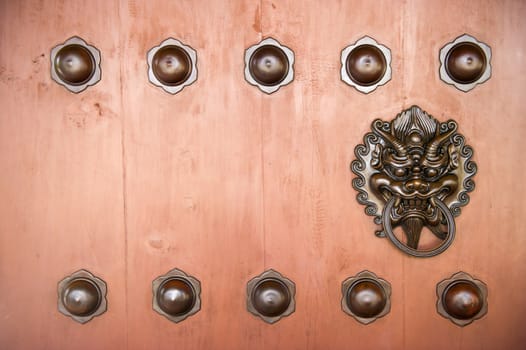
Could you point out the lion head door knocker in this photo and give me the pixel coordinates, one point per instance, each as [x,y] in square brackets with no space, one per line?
[414,174]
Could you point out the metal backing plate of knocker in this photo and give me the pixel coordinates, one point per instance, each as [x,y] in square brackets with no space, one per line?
[172,65]
[75,64]
[414,174]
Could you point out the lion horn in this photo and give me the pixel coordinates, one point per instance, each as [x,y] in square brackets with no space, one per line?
[389,138]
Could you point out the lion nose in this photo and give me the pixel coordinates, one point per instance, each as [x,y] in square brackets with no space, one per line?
[417,185]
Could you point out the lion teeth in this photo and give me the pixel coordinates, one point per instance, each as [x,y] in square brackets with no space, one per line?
[397,201]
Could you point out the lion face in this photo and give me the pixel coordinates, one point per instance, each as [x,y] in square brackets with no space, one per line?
[414,164]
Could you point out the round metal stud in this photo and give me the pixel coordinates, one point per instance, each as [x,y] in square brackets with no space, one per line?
[172,65]
[269,65]
[366,65]
[82,296]
[465,62]
[176,295]
[75,64]
[366,297]
[462,299]
[270,296]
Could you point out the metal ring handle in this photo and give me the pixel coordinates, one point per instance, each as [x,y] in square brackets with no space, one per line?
[386,221]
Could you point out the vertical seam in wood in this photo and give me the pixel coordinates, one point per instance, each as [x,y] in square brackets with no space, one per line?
[262,151]
[262,139]
[403,46]
[260,20]
[123,160]
[404,94]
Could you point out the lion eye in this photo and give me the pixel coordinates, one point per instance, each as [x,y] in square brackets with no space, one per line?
[399,172]
[430,172]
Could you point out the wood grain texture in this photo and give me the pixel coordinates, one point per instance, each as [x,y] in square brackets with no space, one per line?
[489,242]
[193,173]
[224,182]
[61,205]
[316,233]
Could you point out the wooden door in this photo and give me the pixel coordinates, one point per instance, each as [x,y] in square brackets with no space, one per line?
[225,182]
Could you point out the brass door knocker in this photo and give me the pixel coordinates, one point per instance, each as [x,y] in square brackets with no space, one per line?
[414,173]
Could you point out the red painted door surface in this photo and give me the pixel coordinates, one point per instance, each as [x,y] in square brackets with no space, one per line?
[225,182]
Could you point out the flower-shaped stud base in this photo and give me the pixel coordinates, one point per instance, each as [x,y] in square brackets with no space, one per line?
[269,65]
[462,299]
[465,62]
[176,295]
[366,65]
[366,297]
[75,64]
[172,65]
[82,296]
[270,296]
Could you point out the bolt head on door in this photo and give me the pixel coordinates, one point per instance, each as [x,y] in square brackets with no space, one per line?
[176,295]
[172,65]
[270,296]
[75,64]
[366,297]
[82,296]
[269,65]
[465,63]
[366,65]
[462,299]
